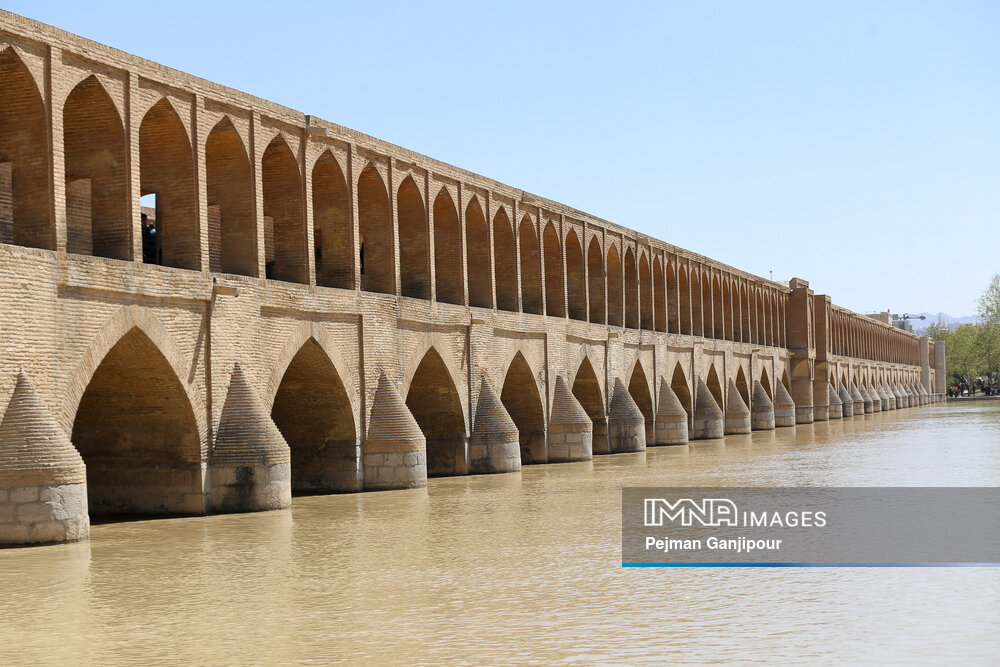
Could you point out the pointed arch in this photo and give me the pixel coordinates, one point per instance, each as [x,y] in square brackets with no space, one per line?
[97,213]
[681,387]
[433,400]
[448,278]
[531,268]
[715,386]
[631,290]
[785,381]
[378,258]
[765,382]
[742,386]
[587,390]
[505,254]
[333,242]
[576,278]
[523,402]
[166,169]
[25,217]
[673,323]
[697,304]
[312,409]
[758,318]
[718,311]
[727,310]
[232,234]
[284,214]
[138,435]
[595,278]
[685,312]
[746,331]
[645,294]
[555,300]
[615,310]
[414,242]
[659,297]
[477,243]
[638,387]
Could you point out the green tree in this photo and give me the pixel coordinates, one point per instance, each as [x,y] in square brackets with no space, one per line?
[989,327]
[963,353]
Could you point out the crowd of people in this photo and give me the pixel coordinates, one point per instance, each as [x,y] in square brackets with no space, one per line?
[970,389]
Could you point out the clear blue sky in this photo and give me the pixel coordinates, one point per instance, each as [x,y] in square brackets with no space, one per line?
[856,145]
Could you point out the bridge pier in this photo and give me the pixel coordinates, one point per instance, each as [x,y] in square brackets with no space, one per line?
[709,421]
[571,431]
[43,490]
[494,446]
[737,412]
[762,410]
[784,407]
[395,450]
[626,423]
[671,418]
[836,403]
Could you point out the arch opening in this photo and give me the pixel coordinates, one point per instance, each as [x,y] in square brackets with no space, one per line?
[414,242]
[595,276]
[697,305]
[284,215]
[718,311]
[631,291]
[448,278]
[505,253]
[587,391]
[524,405]
[25,218]
[434,402]
[555,300]
[645,294]
[166,169]
[333,245]
[576,278]
[615,310]
[137,434]
[531,268]
[638,387]
[97,216]
[314,414]
[742,386]
[659,297]
[715,387]
[377,257]
[685,314]
[477,243]
[673,325]
[679,384]
[766,383]
[232,235]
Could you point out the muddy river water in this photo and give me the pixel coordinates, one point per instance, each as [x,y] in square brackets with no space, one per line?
[518,567]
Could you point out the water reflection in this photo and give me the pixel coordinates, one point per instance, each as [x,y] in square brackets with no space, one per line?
[512,568]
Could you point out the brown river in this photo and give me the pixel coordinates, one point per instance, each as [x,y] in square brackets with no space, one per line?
[518,568]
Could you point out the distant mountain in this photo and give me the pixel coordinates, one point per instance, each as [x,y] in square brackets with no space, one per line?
[953,322]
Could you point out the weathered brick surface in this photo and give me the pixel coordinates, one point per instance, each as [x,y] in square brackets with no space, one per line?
[318,260]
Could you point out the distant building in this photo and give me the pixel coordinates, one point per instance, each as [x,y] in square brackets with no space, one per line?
[894,319]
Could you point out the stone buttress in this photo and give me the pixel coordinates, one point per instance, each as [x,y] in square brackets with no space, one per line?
[847,400]
[836,405]
[626,425]
[43,481]
[737,412]
[709,422]
[784,406]
[890,396]
[250,463]
[571,431]
[671,423]
[494,445]
[761,409]
[395,450]
[859,400]
[875,398]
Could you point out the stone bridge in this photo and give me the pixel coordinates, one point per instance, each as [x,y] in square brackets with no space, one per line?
[306,309]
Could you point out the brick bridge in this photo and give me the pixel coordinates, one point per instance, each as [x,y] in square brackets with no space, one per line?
[309,309]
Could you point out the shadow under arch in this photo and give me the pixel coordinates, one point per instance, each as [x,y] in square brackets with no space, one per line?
[742,386]
[434,402]
[765,382]
[313,411]
[587,390]
[138,435]
[679,385]
[638,387]
[715,387]
[523,402]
